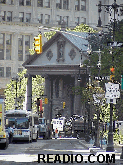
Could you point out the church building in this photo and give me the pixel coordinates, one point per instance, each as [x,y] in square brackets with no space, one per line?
[60,63]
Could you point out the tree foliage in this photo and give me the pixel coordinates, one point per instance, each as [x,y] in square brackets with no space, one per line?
[79,28]
[10,91]
[82,28]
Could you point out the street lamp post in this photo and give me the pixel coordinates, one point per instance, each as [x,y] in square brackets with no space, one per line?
[17,99]
[96,143]
[113,6]
[110,146]
[89,51]
[16,80]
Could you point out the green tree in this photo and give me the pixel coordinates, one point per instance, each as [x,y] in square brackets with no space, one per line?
[10,91]
[79,28]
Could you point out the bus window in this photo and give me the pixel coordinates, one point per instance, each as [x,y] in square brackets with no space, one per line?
[11,122]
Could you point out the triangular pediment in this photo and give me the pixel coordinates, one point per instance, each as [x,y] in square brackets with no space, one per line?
[62,49]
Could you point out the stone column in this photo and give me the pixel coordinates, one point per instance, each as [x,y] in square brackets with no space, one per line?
[53,97]
[47,91]
[29,93]
[77,100]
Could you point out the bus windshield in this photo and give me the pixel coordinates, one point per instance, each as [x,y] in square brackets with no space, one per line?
[20,123]
[41,121]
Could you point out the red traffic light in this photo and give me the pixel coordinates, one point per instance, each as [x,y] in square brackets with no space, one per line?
[112,70]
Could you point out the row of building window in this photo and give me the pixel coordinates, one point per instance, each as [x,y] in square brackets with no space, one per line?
[60,4]
[6,46]
[7,16]
[11,2]
[8,71]
[40,18]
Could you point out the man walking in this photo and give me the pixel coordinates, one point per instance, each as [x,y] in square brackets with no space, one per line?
[10,132]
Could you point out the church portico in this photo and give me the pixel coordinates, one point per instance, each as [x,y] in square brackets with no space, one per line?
[60,76]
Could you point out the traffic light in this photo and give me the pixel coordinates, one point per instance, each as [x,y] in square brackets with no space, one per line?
[38,44]
[112,73]
[122,82]
[63,105]
[46,100]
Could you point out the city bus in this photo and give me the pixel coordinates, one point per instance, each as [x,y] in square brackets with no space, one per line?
[25,124]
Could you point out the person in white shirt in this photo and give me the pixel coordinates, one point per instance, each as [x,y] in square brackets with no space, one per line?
[10,132]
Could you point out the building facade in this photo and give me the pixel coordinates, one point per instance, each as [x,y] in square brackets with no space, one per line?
[59,63]
[20,21]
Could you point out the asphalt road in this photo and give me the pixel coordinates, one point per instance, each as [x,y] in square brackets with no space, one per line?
[53,151]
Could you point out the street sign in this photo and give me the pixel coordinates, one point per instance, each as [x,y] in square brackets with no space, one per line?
[102,78]
[115,44]
[112,91]
[111,101]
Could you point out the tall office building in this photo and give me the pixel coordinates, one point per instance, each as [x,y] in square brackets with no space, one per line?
[20,21]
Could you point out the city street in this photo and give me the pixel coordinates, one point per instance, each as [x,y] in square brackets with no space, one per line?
[28,152]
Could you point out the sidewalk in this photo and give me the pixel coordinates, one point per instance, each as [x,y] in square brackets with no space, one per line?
[94,150]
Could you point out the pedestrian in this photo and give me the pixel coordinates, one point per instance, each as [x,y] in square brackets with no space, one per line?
[56,133]
[10,132]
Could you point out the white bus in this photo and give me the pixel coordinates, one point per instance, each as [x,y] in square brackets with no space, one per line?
[25,124]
